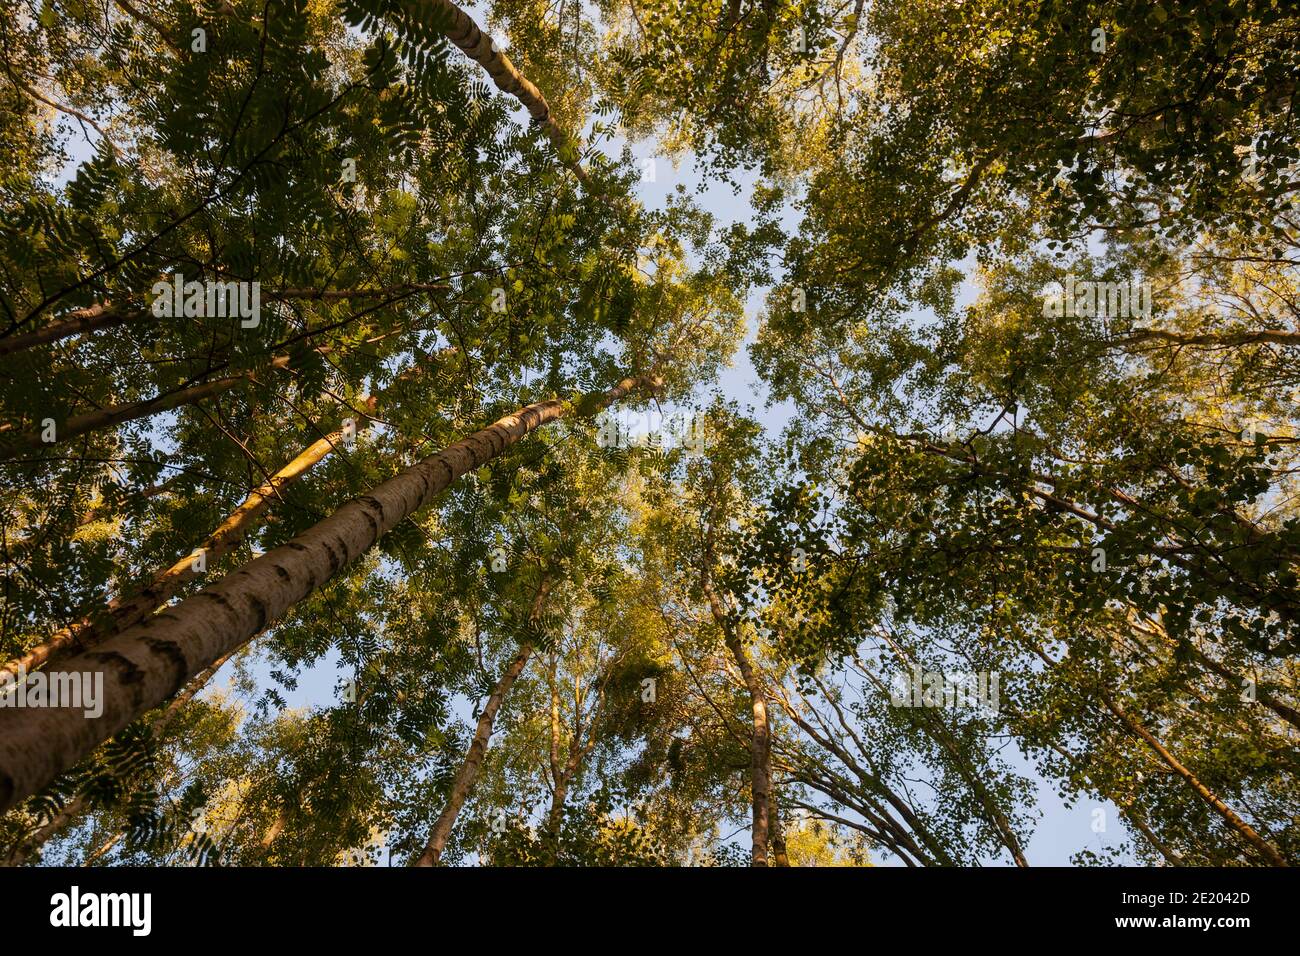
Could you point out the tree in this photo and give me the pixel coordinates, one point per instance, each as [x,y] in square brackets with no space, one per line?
[1028,285]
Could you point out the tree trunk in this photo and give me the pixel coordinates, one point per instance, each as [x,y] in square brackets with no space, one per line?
[466,35]
[578,752]
[934,727]
[467,775]
[276,828]
[1211,340]
[1137,729]
[103,418]
[118,414]
[124,613]
[1248,833]
[99,316]
[469,38]
[1262,694]
[145,665]
[77,805]
[1127,808]
[779,855]
[760,748]
[103,315]
[869,789]
[760,754]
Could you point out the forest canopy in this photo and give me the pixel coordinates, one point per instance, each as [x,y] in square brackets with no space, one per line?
[377,483]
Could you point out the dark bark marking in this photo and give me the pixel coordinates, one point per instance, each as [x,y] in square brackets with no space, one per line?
[170,650]
[128,671]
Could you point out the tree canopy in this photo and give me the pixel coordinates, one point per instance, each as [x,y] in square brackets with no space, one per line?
[375,487]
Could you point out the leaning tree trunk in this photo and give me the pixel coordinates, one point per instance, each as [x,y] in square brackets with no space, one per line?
[470,39]
[466,35]
[760,748]
[99,316]
[1137,729]
[131,411]
[127,612]
[1234,820]
[13,445]
[934,727]
[104,315]
[467,775]
[147,664]
[78,805]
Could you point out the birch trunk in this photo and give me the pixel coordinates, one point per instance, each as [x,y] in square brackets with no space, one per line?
[1211,799]
[124,613]
[760,753]
[1234,820]
[760,749]
[466,35]
[470,39]
[779,855]
[147,664]
[467,775]
[79,804]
